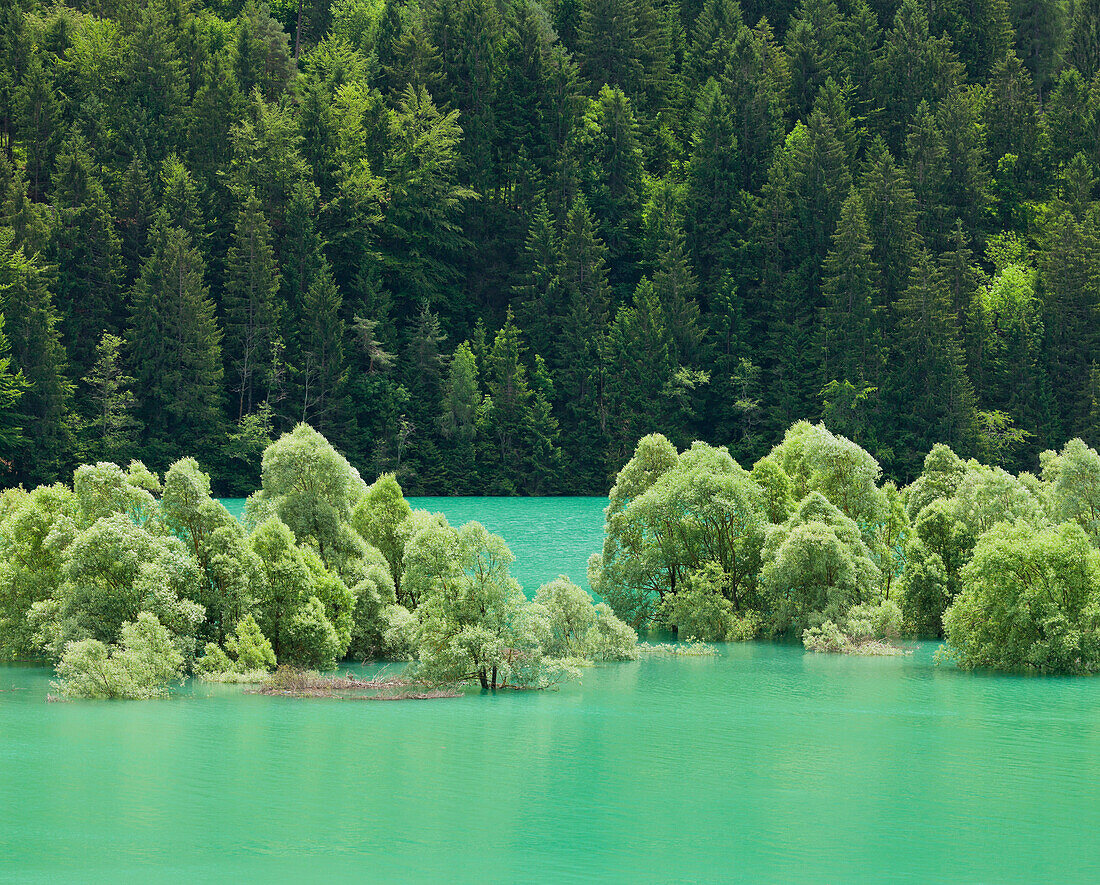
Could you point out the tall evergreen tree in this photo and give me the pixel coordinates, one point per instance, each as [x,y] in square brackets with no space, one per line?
[110,429]
[86,250]
[928,389]
[12,387]
[174,347]
[250,305]
[33,328]
[852,343]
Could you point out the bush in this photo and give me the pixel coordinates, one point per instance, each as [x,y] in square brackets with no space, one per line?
[826,638]
[250,647]
[142,665]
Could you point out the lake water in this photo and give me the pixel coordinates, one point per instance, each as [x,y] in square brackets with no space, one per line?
[765,764]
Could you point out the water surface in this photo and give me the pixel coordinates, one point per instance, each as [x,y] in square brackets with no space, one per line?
[765,764]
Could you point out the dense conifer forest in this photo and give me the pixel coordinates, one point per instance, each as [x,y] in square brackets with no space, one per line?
[487,245]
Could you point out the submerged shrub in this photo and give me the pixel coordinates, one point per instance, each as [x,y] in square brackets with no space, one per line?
[1030,600]
[142,665]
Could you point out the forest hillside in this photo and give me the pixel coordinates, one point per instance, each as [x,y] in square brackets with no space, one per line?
[487,245]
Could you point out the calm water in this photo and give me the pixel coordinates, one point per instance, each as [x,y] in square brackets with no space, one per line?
[549,536]
[764,764]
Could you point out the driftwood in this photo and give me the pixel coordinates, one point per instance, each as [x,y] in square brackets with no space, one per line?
[300,684]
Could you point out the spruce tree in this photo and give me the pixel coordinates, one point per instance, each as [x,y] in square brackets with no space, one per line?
[174,347]
[12,387]
[319,360]
[608,49]
[852,343]
[110,429]
[250,306]
[86,250]
[640,368]
[930,393]
[712,197]
[33,329]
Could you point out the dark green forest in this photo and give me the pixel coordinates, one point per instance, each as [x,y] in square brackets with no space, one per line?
[487,245]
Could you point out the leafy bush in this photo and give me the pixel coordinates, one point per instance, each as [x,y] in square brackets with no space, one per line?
[142,665]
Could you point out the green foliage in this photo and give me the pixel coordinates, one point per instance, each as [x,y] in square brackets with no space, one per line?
[473,621]
[250,647]
[581,629]
[816,567]
[310,486]
[670,514]
[1029,601]
[142,665]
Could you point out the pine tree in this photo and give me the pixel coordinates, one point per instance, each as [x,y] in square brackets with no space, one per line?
[914,66]
[577,367]
[757,83]
[458,420]
[714,31]
[1084,44]
[508,418]
[134,216]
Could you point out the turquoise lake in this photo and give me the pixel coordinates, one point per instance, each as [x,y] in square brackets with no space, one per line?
[763,764]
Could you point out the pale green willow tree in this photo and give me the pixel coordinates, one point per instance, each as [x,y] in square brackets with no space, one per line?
[816,567]
[1030,601]
[311,487]
[378,516]
[473,621]
[701,609]
[106,489]
[580,628]
[818,461]
[142,665]
[670,514]
[217,541]
[112,572]
[1071,486]
[247,656]
[35,529]
[289,605]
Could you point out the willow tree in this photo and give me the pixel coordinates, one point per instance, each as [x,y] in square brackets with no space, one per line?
[701,508]
[473,621]
[1030,601]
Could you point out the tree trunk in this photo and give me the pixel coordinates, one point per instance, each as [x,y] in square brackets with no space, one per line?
[484,679]
[298,33]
